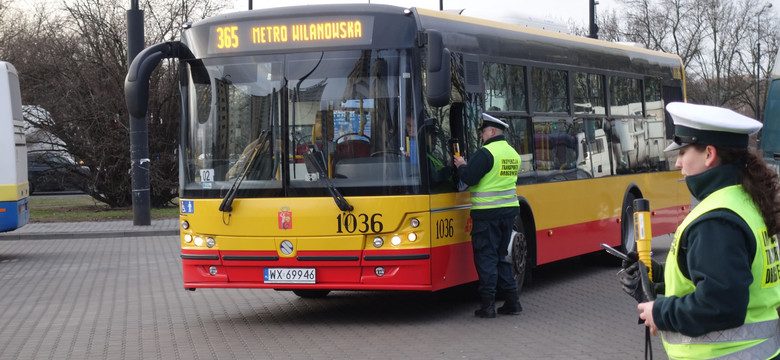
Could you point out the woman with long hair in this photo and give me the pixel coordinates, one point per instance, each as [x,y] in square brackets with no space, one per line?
[721,281]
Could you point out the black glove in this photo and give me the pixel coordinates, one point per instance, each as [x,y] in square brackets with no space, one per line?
[658,268]
[636,283]
[634,258]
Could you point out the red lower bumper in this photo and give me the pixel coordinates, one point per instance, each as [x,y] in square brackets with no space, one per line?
[345,270]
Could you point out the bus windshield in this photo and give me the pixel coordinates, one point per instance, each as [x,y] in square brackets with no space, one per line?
[297,124]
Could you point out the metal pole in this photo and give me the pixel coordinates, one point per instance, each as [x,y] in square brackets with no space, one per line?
[593,28]
[250,4]
[441,5]
[139,128]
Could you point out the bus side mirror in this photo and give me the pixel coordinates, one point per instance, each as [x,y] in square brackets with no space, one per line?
[429,123]
[428,126]
[437,79]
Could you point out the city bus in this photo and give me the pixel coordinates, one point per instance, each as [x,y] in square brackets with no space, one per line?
[14,189]
[317,142]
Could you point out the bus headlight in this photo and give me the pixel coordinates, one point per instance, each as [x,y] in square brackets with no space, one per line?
[187,238]
[412,236]
[415,222]
[210,242]
[185,225]
[378,242]
[396,240]
[198,241]
[213,270]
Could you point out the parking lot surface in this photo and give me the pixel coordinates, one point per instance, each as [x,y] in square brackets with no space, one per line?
[122,298]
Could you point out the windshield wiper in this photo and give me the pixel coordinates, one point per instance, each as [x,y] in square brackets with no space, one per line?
[227,201]
[317,161]
[309,155]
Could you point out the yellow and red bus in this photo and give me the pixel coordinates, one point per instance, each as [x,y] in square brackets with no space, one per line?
[315,142]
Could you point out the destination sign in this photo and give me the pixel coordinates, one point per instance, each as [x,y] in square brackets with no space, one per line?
[290,33]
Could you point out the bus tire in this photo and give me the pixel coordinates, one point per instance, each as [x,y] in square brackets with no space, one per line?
[519,253]
[311,293]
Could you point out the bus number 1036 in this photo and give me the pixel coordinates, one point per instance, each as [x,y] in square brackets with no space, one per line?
[444,228]
[361,223]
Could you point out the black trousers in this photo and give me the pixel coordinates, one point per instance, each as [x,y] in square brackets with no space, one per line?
[490,240]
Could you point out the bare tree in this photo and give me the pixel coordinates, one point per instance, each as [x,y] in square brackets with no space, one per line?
[73,63]
[609,27]
[608,23]
[714,38]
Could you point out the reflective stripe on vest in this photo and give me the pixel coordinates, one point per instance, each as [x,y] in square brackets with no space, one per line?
[750,331]
[767,349]
[498,202]
[498,188]
[758,337]
[493,193]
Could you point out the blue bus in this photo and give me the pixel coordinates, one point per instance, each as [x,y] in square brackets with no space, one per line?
[770,133]
[14,188]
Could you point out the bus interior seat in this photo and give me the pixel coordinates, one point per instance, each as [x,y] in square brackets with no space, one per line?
[350,149]
[553,151]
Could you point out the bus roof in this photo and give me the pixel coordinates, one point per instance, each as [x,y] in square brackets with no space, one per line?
[463,34]
[513,17]
[431,19]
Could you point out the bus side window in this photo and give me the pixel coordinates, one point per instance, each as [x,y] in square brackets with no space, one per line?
[519,136]
[556,150]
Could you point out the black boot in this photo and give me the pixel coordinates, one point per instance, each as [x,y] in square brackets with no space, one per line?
[487,308]
[511,305]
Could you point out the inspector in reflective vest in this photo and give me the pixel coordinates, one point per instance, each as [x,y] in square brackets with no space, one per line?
[497,188]
[759,336]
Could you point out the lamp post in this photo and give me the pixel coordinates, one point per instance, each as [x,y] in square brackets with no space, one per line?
[758,61]
[593,29]
[139,128]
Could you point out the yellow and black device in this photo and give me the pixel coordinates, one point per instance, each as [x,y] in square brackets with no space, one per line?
[455,147]
[643,233]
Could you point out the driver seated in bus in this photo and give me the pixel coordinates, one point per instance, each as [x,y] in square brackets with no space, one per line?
[440,171]
[262,164]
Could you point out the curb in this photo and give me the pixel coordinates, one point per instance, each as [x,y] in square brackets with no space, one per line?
[86,235]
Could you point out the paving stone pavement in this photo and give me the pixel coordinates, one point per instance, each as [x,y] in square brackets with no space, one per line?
[108,297]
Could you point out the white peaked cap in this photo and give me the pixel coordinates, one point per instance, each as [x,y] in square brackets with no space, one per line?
[709,125]
[488,120]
